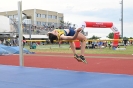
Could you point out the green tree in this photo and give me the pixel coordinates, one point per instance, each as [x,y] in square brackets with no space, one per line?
[68,23]
[110,35]
[94,37]
[131,38]
[74,25]
[125,38]
[61,23]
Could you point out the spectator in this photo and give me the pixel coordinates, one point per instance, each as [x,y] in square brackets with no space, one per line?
[109,44]
[93,44]
[125,43]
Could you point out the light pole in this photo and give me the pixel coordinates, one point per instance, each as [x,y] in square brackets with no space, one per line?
[121,18]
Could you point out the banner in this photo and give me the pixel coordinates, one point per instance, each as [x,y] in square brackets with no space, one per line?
[99,24]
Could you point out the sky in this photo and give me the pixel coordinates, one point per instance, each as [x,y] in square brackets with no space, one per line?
[76,11]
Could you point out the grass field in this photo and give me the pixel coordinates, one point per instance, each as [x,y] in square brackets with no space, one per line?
[65,49]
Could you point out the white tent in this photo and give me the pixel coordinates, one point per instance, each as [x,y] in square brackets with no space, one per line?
[104,38]
[4,24]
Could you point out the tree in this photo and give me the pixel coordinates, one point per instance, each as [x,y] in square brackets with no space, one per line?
[110,35]
[131,38]
[125,38]
[61,23]
[74,25]
[68,23]
[94,37]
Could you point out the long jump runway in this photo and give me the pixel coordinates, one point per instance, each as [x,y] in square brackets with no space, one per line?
[45,71]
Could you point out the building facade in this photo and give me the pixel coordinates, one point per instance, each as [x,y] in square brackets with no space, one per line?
[38,17]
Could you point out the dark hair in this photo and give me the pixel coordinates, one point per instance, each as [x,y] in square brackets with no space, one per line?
[52,37]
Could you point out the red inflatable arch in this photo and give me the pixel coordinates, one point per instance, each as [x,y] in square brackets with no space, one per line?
[103,25]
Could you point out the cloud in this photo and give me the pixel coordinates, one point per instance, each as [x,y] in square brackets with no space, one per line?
[76,11]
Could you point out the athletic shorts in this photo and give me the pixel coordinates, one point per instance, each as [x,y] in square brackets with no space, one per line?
[71,32]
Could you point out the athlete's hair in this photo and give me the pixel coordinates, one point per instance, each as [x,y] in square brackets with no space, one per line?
[52,37]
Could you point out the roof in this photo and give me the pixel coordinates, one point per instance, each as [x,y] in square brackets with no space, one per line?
[36,36]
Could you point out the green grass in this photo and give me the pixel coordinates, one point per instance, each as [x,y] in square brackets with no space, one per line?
[65,49]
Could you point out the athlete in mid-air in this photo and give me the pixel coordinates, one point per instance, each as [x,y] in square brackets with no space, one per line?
[70,34]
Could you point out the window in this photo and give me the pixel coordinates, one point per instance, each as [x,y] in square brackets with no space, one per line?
[54,17]
[43,23]
[60,18]
[49,16]
[38,15]
[43,16]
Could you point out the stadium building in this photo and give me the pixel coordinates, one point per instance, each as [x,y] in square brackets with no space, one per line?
[38,22]
[38,17]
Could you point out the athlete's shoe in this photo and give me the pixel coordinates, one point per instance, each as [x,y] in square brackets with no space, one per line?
[77,58]
[82,58]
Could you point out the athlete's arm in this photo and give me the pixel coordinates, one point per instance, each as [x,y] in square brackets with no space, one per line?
[63,37]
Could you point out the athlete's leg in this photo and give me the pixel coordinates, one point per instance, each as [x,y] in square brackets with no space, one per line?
[83,39]
[72,46]
[83,45]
